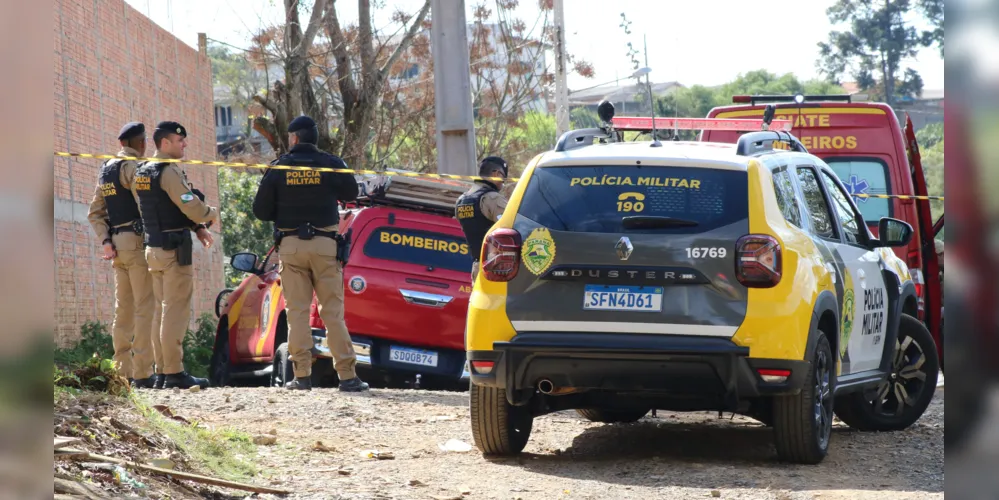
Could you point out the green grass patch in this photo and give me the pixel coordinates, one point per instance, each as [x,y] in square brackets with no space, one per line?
[226,453]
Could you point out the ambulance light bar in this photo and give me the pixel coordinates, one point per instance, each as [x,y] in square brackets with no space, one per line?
[732,124]
[797,98]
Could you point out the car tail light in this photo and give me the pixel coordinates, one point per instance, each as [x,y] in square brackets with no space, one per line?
[501,255]
[773,376]
[483,367]
[758,261]
[917,279]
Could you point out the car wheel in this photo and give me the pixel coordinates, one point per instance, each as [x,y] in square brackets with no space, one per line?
[283,371]
[498,427]
[803,422]
[611,416]
[221,301]
[220,364]
[900,400]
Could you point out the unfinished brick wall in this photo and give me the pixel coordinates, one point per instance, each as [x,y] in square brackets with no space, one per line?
[114,65]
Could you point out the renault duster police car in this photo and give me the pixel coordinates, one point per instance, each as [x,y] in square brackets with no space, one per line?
[626,277]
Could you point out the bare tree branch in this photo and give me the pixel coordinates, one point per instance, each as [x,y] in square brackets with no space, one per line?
[406,40]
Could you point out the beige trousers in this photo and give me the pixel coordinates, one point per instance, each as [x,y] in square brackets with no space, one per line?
[173,287]
[307,266]
[132,328]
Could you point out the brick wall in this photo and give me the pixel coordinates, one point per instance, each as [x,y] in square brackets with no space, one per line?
[114,65]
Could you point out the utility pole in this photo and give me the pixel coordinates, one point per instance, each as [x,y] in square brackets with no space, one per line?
[561,87]
[452,88]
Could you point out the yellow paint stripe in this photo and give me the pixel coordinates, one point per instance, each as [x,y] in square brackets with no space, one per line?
[804,111]
[265,330]
[236,307]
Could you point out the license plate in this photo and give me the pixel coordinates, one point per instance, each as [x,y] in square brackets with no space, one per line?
[623,298]
[413,356]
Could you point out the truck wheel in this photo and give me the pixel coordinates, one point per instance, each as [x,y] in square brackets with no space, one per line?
[803,422]
[901,399]
[283,371]
[611,416]
[219,366]
[498,427]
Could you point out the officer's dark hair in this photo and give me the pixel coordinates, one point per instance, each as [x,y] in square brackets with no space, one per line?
[308,135]
[159,135]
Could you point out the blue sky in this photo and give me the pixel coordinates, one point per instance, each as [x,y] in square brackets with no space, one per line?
[705,42]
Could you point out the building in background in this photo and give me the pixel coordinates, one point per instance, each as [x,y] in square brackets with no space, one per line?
[234,133]
[113,65]
[628,100]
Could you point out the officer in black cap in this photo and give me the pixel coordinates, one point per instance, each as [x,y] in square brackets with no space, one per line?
[303,206]
[480,207]
[114,216]
[171,209]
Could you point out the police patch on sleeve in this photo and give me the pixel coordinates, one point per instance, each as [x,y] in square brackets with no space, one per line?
[186,197]
[538,251]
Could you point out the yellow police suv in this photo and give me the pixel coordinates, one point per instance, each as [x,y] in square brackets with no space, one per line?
[631,276]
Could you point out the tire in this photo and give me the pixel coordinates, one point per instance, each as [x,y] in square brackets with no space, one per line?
[498,427]
[913,379]
[611,416]
[220,365]
[803,422]
[220,299]
[283,371]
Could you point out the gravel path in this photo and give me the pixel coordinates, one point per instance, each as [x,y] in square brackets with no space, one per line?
[672,456]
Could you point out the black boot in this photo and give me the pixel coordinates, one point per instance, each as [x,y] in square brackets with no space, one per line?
[184,381]
[144,383]
[299,384]
[158,380]
[353,385]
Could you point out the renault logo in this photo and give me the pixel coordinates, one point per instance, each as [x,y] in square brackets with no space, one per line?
[624,248]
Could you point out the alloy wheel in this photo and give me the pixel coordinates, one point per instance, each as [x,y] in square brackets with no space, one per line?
[823,403]
[906,381]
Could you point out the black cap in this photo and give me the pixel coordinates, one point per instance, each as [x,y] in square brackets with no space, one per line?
[301,123]
[494,160]
[172,128]
[130,130]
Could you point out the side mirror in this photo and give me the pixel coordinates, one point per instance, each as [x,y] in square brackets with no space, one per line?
[893,233]
[244,261]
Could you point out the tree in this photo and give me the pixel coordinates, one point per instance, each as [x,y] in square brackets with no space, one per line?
[875,47]
[934,12]
[241,231]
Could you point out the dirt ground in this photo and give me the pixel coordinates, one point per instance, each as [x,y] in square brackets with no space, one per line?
[671,456]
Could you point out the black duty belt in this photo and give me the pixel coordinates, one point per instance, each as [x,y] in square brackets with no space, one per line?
[307,235]
[134,227]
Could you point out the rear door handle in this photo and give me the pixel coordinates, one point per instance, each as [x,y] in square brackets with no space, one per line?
[425,299]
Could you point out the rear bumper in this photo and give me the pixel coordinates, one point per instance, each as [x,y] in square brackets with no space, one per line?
[375,353]
[641,365]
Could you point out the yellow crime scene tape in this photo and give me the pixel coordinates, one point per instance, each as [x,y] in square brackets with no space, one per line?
[378,172]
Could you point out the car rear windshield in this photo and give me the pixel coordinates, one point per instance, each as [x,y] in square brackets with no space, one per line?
[864,176]
[598,199]
[424,248]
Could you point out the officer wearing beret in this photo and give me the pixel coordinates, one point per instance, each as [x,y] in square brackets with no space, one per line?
[171,208]
[480,207]
[303,206]
[114,216]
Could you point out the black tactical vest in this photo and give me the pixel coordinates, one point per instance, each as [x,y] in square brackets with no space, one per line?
[473,222]
[159,213]
[121,205]
[305,196]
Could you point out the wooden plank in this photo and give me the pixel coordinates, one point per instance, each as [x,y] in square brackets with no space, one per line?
[70,454]
[190,477]
[62,442]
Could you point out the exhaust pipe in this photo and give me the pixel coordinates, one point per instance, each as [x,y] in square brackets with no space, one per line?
[546,386]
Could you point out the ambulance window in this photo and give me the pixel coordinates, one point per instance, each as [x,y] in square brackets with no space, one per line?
[844,212]
[786,198]
[423,248]
[815,203]
[864,176]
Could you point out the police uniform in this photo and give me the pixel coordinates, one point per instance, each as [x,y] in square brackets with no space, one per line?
[303,206]
[478,209]
[114,216]
[171,208]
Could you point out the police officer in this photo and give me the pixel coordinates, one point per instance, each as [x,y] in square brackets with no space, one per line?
[303,206]
[480,207]
[171,208]
[114,216]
